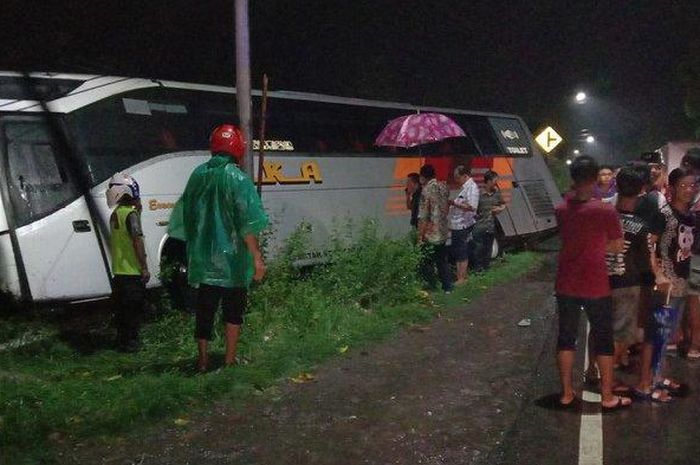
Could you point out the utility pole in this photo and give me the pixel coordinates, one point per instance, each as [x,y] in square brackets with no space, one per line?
[243,81]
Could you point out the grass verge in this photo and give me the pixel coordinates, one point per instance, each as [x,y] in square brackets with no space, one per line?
[51,393]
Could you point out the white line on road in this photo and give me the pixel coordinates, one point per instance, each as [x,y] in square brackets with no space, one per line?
[590,446]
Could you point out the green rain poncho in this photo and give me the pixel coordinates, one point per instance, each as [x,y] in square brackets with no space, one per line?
[217,210]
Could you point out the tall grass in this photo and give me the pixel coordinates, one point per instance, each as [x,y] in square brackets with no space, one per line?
[297,318]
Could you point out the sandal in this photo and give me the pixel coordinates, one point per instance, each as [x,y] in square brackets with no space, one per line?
[660,396]
[622,403]
[674,389]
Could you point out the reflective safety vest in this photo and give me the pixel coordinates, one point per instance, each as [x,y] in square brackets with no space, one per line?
[124,260]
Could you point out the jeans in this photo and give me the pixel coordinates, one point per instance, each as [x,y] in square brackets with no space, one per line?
[481,249]
[435,256]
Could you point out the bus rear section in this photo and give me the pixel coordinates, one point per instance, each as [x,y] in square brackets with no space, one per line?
[501,143]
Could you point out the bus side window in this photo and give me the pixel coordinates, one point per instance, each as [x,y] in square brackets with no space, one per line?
[39,183]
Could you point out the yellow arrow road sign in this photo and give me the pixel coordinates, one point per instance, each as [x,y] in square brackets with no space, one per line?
[548,139]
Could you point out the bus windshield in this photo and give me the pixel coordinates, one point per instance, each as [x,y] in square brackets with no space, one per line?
[123,130]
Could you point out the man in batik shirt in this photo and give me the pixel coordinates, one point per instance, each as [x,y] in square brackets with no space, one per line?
[432,229]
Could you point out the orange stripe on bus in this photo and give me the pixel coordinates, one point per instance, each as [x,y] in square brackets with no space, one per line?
[504,169]
[404,166]
[396,203]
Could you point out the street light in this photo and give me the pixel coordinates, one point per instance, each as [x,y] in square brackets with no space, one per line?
[590,139]
[581,97]
[568,162]
[577,152]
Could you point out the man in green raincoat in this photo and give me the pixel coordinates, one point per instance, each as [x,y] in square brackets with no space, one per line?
[221,217]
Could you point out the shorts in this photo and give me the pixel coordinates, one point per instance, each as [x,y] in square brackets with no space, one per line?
[461,243]
[233,304]
[625,307]
[599,312]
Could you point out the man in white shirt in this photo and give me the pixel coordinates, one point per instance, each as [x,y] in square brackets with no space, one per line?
[462,217]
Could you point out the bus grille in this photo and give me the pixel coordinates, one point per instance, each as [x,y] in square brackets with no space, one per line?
[539,198]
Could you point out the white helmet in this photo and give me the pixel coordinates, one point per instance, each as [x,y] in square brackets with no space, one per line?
[121,184]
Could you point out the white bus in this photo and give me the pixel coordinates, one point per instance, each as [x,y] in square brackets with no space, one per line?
[62,136]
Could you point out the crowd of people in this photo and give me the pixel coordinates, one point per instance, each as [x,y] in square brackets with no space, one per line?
[459,230]
[628,239]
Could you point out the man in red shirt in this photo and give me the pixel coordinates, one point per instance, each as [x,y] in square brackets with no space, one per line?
[588,228]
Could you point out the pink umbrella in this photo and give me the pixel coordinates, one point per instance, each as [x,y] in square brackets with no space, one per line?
[416,129]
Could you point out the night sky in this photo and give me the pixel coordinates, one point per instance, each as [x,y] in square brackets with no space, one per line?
[519,57]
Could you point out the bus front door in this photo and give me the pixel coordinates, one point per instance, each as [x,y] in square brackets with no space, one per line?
[56,247]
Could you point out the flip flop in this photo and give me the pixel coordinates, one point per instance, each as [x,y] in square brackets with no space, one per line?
[619,405]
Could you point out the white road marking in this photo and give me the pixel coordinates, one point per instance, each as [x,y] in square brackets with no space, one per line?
[590,446]
[590,450]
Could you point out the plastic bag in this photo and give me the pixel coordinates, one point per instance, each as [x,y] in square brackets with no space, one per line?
[217,210]
[665,320]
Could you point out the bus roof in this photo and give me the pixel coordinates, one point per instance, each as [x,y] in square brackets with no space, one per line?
[91,88]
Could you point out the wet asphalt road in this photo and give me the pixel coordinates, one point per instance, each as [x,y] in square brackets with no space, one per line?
[646,433]
[465,389]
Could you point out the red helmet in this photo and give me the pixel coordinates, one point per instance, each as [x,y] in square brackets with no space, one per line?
[227,138]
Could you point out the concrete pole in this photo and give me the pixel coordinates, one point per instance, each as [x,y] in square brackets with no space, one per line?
[243,81]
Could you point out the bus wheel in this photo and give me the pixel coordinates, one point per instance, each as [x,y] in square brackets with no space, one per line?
[173,275]
[495,248]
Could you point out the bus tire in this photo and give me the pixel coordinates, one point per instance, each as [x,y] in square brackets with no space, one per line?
[173,268]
